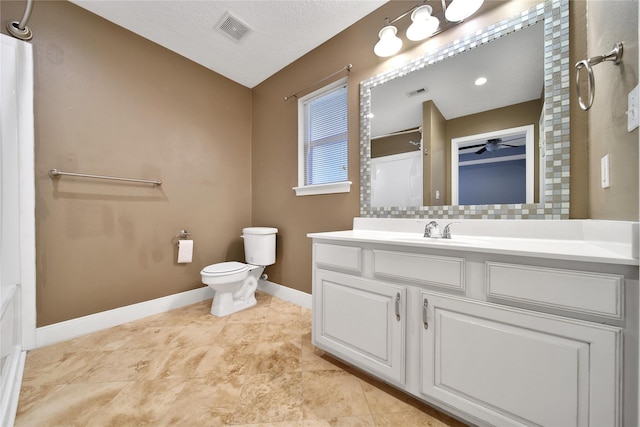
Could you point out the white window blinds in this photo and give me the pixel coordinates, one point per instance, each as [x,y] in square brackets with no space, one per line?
[325,137]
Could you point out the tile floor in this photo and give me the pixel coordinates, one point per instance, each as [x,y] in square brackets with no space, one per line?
[189,368]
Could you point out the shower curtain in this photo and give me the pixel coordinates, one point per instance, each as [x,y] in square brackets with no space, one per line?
[17,219]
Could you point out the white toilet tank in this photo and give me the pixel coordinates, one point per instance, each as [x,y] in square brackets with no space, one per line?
[259,245]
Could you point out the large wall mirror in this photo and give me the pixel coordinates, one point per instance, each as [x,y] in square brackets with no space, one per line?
[427,117]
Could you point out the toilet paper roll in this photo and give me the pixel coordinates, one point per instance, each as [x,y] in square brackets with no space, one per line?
[185,250]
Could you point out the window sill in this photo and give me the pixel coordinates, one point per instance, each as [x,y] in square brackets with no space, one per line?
[334,187]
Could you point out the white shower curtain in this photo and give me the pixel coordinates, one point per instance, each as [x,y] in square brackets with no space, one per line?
[17,220]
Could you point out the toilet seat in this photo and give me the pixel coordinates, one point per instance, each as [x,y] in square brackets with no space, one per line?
[224,268]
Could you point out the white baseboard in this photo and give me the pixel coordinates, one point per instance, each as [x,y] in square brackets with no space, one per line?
[294,296]
[74,328]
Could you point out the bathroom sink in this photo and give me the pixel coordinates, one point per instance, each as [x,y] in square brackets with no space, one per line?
[455,240]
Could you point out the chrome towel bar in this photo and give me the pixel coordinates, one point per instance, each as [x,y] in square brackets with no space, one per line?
[54,173]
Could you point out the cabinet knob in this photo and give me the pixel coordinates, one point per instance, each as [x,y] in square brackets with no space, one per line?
[398,306]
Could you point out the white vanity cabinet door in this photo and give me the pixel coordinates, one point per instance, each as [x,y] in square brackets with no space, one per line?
[509,366]
[361,321]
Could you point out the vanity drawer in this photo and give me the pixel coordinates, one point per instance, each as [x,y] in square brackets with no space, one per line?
[576,291]
[447,272]
[337,256]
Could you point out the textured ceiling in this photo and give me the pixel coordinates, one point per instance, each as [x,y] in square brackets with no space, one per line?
[282,31]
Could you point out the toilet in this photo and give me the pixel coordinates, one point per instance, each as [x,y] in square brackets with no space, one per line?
[235,282]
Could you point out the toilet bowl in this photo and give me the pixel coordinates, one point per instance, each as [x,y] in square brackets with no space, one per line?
[235,282]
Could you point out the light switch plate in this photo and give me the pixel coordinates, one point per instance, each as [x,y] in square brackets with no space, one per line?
[633,110]
[604,172]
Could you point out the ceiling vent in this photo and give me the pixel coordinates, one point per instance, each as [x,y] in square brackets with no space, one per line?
[233,27]
[420,91]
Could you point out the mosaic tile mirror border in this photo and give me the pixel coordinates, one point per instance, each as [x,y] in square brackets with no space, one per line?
[555,14]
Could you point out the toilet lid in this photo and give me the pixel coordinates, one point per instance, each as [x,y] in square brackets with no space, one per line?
[225,268]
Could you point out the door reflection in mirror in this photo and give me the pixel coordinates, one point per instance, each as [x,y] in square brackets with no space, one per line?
[494,167]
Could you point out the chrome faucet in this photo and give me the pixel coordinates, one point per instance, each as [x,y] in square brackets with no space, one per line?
[430,228]
[446,231]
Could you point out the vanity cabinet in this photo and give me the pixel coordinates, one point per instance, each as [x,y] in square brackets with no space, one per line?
[494,339]
[361,321]
[509,366]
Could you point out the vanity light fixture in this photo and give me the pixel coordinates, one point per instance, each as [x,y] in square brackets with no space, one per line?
[389,44]
[480,81]
[423,25]
[460,10]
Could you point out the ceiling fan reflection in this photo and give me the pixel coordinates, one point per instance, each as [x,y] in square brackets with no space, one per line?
[491,145]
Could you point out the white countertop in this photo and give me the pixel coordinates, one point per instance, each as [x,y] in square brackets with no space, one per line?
[611,242]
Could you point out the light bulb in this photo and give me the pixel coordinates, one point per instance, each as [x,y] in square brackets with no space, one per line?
[480,81]
[423,25]
[389,43]
[462,9]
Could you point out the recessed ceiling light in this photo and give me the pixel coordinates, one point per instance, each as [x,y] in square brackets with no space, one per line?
[480,81]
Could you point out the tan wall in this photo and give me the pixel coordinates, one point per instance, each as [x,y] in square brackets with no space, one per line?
[274,134]
[394,144]
[109,102]
[610,22]
[434,183]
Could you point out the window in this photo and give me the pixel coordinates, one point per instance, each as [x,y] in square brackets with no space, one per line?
[323,142]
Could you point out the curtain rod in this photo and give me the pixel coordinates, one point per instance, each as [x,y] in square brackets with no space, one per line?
[295,95]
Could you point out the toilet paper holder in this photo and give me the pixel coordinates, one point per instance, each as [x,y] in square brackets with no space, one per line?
[183,234]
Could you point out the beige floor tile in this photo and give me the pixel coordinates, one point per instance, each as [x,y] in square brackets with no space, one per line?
[256,314]
[264,299]
[282,332]
[63,369]
[203,416]
[230,360]
[32,396]
[412,418]
[305,322]
[110,339]
[139,403]
[198,335]
[71,405]
[239,334]
[186,367]
[281,424]
[314,359]
[195,314]
[383,399]
[268,399]
[176,362]
[275,358]
[283,312]
[362,421]
[118,365]
[329,394]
